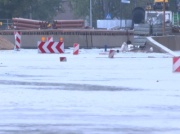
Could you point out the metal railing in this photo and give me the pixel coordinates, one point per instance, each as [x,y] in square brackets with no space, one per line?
[176,19]
[5,24]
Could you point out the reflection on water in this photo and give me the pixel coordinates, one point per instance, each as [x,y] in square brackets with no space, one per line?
[53,108]
[62,86]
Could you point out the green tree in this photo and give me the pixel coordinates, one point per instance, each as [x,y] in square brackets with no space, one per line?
[103,7]
[173,5]
[80,7]
[38,9]
[117,9]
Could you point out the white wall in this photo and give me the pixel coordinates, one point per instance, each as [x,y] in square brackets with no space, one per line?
[107,24]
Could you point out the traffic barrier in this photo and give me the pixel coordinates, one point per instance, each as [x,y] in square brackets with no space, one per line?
[63,59]
[17,36]
[111,53]
[50,39]
[176,64]
[76,49]
[50,47]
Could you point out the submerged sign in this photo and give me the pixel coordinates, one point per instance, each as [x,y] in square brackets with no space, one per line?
[125,1]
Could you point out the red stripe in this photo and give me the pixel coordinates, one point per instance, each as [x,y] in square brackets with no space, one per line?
[58,47]
[18,40]
[50,47]
[17,47]
[175,59]
[178,69]
[40,46]
[62,58]
[75,44]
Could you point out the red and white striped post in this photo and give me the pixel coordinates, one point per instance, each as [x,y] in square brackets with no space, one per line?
[50,39]
[63,59]
[176,64]
[17,36]
[76,49]
[111,53]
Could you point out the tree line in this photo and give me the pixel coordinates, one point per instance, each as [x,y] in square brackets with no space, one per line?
[115,8]
[35,9]
[47,9]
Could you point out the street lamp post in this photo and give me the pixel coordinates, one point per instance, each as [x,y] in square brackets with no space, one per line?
[164,17]
[90,14]
[135,3]
[30,14]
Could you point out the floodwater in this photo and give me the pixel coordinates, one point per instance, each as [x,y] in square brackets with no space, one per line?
[36,99]
[56,108]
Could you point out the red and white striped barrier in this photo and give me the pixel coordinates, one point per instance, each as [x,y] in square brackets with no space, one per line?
[50,39]
[17,36]
[176,64]
[76,49]
[50,47]
[112,53]
[63,59]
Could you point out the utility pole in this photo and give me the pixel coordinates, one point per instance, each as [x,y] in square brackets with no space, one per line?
[121,15]
[90,14]
[30,14]
[135,3]
[164,17]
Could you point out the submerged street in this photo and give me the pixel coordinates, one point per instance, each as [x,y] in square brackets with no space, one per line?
[88,94]
[55,109]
